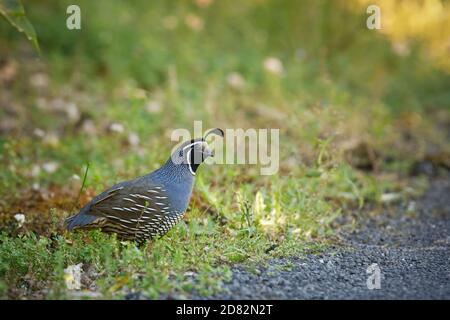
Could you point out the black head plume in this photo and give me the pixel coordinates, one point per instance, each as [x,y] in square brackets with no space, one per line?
[216,131]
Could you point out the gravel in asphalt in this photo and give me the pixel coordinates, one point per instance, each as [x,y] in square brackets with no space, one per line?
[409,244]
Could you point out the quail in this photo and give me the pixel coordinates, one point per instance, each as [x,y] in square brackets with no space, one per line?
[148,206]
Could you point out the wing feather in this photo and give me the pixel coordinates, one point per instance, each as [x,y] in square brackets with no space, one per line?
[132,207]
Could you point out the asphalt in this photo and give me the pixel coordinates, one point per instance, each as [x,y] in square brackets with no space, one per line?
[409,243]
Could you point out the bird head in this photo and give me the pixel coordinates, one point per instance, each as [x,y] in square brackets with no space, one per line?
[194,152]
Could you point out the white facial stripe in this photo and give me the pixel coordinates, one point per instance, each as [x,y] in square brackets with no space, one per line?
[188,154]
[188,157]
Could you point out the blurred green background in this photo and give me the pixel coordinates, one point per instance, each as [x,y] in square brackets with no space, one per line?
[357,109]
[204,41]
[160,65]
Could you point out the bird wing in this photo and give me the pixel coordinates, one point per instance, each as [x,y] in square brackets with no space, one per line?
[131,208]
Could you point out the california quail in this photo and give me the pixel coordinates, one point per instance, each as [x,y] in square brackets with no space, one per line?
[150,205]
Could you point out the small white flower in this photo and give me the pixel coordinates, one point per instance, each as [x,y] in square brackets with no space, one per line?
[50,167]
[39,80]
[20,218]
[235,80]
[72,112]
[133,139]
[273,65]
[117,127]
[153,107]
[72,276]
[39,133]
[390,197]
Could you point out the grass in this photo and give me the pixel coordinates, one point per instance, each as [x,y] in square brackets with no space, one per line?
[248,225]
[350,131]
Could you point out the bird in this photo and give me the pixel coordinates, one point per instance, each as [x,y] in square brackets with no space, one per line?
[150,205]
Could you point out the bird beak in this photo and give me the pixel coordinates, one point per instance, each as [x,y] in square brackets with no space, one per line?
[207,152]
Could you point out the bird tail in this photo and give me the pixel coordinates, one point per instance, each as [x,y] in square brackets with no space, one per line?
[79,220]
